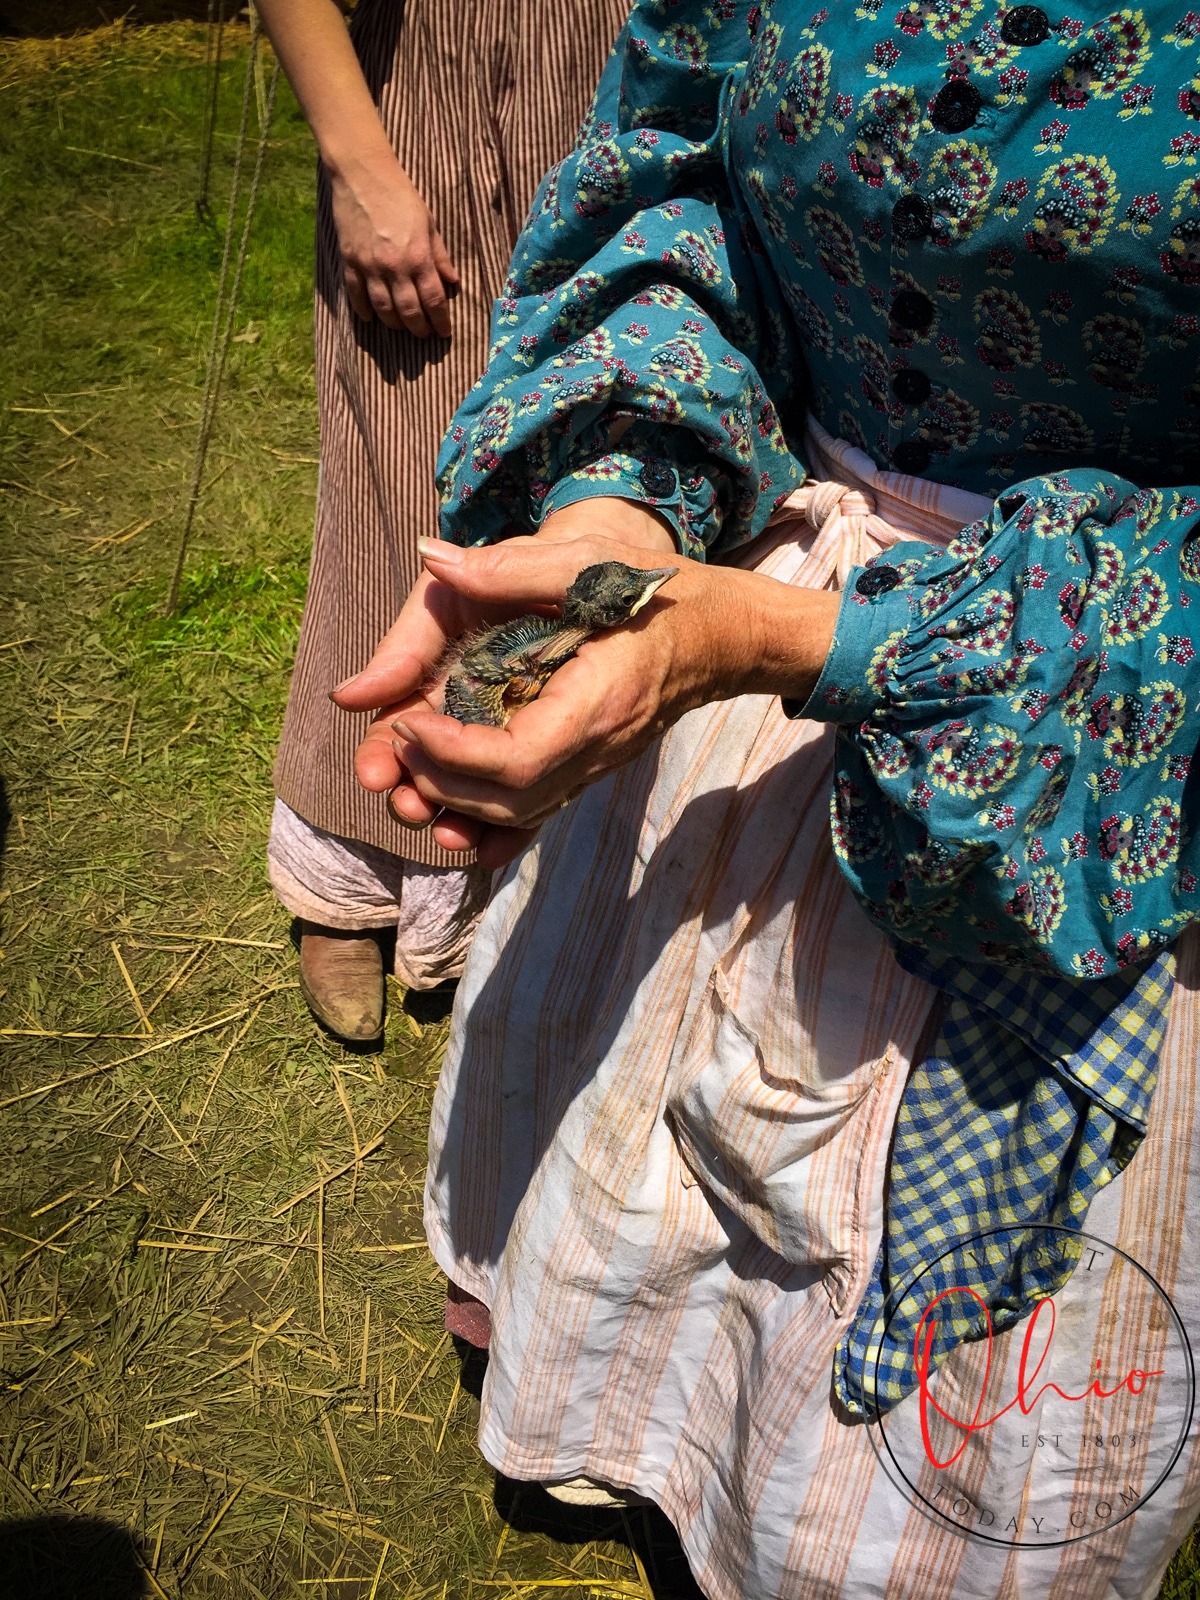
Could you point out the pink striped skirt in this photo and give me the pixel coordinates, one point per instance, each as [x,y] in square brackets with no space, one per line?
[660,1141]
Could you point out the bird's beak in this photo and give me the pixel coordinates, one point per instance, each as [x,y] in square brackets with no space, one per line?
[654,581]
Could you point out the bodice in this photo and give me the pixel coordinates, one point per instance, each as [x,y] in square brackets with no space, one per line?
[986,224]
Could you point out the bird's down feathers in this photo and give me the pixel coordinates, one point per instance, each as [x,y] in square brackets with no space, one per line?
[486,676]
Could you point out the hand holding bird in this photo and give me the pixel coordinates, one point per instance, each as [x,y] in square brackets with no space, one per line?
[487,676]
[713,632]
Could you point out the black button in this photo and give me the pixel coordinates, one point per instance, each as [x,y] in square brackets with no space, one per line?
[956,106]
[912,217]
[1025,25]
[912,309]
[912,456]
[657,480]
[876,580]
[911,386]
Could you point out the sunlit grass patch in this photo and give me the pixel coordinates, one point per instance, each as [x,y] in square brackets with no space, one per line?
[220,1329]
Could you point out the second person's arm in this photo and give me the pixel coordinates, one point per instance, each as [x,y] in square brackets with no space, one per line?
[396,266]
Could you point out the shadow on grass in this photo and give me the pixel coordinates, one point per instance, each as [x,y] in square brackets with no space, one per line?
[527,1508]
[70,1558]
[431,1006]
[22,19]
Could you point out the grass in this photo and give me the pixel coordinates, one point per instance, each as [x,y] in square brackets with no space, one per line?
[222,1366]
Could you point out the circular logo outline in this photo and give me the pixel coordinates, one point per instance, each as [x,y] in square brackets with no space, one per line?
[896,1474]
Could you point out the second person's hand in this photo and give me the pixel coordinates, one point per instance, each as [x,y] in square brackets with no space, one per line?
[396,265]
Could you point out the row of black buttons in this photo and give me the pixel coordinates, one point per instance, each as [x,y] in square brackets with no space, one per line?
[913,311]
[956,107]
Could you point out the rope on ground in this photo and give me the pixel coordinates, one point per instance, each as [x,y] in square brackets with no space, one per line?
[227,291]
[214,39]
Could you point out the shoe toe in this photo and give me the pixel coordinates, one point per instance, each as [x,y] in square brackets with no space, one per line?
[341,979]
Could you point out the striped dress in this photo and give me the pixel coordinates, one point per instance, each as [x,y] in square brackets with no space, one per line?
[479,98]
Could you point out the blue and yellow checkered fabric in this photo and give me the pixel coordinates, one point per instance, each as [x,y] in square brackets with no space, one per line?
[1034,1096]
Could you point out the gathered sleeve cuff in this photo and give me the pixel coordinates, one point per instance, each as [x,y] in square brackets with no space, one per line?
[1016,737]
[646,466]
[876,607]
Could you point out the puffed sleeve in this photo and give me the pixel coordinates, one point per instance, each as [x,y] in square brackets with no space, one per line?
[1017,720]
[641,348]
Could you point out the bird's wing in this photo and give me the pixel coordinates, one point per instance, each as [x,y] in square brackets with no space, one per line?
[489,675]
[557,647]
[516,645]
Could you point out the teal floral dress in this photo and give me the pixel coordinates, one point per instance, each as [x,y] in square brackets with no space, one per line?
[966,237]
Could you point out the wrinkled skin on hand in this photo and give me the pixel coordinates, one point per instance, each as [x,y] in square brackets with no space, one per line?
[709,634]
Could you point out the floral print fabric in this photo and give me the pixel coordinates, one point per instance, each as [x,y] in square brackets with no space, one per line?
[1014,776]
[966,234]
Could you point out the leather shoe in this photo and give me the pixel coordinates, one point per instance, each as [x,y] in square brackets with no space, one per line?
[341,978]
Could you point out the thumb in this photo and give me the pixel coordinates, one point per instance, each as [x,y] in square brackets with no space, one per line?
[517,572]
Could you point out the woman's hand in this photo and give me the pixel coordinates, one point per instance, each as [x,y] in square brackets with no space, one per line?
[396,266]
[708,634]
[434,615]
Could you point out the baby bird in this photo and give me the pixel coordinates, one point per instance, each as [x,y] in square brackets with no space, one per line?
[489,675]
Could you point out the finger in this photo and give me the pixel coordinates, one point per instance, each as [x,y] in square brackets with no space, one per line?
[446,269]
[482,798]
[410,808]
[406,654]
[377,766]
[433,298]
[454,832]
[517,571]
[538,739]
[356,293]
[460,762]
[498,846]
[380,295]
[407,307]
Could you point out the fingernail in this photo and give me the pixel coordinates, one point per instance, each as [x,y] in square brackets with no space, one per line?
[405,733]
[338,687]
[438,547]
